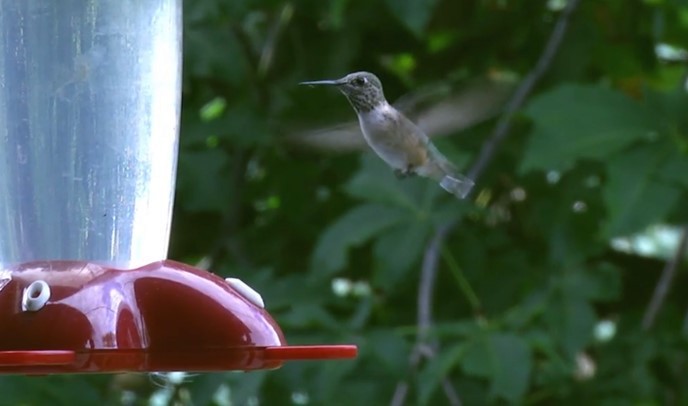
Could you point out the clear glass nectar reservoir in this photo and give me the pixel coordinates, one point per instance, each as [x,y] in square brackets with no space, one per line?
[89,120]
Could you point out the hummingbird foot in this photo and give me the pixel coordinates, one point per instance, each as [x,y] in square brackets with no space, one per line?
[404,173]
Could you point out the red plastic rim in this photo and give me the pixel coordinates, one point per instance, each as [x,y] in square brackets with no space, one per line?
[36,358]
[314,352]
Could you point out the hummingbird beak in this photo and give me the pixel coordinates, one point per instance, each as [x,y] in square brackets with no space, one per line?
[323,83]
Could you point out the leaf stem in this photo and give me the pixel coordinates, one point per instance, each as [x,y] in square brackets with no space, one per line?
[461,279]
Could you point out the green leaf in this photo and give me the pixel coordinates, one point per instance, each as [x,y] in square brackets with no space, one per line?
[389,349]
[573,122]
[674,169]
[352,229]
[437,369]
[478,361]
[328,382]
[205,184]
[512,367]
[601,282]
[671,105]
[213,109]
[204,386]
[246,386]
[375,181]
[422,198]
[635,197]
[54,389]
[503,358]
[456,329]
[308,315]
[241,125]
[415,14]
[206,50]
[398,249]
[572,319]
[337,13]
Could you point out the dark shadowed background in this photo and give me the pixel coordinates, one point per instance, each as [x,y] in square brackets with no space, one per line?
[560,280]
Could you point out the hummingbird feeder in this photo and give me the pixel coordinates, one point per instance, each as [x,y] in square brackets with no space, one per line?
[89,120]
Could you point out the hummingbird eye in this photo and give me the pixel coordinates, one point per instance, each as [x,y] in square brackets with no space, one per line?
[360,81]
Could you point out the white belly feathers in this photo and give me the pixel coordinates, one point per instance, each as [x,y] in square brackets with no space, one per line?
[378,128]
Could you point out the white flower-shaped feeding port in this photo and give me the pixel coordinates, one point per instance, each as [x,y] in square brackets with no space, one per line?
[35,296]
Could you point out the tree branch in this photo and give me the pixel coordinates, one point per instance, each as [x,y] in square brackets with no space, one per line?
[432,251]
[664,282]
[523,91]
[424,348]
[427,280]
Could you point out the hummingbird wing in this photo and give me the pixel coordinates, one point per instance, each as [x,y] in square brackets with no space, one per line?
[438,115]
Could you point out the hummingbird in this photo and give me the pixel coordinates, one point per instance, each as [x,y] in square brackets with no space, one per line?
[395,138]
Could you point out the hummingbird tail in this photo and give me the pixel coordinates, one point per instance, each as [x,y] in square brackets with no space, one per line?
[447,175]
[459,185]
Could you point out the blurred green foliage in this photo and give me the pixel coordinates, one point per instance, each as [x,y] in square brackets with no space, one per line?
[334,242]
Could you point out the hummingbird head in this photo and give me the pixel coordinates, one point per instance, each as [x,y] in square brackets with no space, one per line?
[363,89]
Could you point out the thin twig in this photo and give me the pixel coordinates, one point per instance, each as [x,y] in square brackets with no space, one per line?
[463,283]
[432,251]
[450,393]
[424,348]
[523,91]
[427,280]
[664,282]
[267,53]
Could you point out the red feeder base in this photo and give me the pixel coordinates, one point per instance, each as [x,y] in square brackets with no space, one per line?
[76,317]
